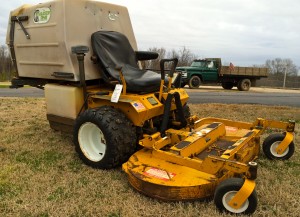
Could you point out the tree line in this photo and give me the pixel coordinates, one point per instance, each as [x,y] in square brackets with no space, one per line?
[282,73]
[280,69]
[185,57]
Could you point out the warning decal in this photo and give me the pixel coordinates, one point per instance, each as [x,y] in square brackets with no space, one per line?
[160,174]
[231,129]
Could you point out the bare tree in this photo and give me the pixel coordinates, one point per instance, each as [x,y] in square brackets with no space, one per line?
[279,66]
[282,72]
[154,64]
[173,54]
[5,64]
[184,56]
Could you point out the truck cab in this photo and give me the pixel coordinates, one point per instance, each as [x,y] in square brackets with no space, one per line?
[200,71]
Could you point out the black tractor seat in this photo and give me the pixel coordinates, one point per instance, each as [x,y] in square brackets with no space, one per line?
[113,51]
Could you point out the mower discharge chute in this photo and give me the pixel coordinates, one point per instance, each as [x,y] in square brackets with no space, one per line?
[112,105]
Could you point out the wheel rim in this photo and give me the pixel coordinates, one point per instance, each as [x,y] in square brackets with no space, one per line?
[92,141]
[273,150]
[245,85]
[227,197]
[195,82]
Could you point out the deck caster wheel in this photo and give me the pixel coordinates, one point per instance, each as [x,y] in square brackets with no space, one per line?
[271,143]
[226,190]
[104,138]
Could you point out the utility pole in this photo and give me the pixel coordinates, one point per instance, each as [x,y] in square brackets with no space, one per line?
[284,79]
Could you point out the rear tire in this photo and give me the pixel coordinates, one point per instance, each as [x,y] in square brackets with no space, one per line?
[186,112]
[104,138]
[244,85]
[194,82]
[271,143]
[227,85]
[226,190]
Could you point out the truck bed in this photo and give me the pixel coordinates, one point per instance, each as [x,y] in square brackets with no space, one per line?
[244,71]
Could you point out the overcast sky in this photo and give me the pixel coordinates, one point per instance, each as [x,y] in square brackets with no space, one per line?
[238,31]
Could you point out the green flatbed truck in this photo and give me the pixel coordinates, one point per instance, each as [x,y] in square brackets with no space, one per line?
[210,70]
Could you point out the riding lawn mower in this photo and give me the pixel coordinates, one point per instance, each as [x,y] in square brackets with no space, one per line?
[84,55]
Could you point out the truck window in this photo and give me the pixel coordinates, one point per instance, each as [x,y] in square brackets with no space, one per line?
[210,64]
[198,64]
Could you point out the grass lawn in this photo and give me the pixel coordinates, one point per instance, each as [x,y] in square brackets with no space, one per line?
[4,84]
[41,175]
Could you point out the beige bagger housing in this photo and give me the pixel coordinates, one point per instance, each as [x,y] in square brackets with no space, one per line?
[40,36]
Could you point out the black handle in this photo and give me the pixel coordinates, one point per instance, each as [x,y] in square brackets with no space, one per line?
[63,75]
[146,55]
[19,18]
[162,67]
[80,49]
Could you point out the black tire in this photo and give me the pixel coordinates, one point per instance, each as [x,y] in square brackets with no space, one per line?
[244,85]
[186,112]
[226,190]
[227,85]
[194,82]
[104,138]
[270,144]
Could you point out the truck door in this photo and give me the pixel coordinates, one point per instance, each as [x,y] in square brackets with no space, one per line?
[211,72]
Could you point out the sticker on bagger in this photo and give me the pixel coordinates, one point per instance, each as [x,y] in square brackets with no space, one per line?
[113,15]
[138,106]
[116,94]
[41,15]
[160,174]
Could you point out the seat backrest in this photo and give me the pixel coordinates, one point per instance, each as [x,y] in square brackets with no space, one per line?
[113,49]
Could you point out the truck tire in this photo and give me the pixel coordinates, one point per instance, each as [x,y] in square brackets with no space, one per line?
[194,82]
[104,138]
[244,85]
[227,85]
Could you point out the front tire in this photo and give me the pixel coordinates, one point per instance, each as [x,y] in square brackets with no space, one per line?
[271,143]
[104,138]
[194,82]
[226,190]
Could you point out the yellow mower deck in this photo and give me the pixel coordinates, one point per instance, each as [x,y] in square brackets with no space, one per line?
[165,180]
[189,163]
